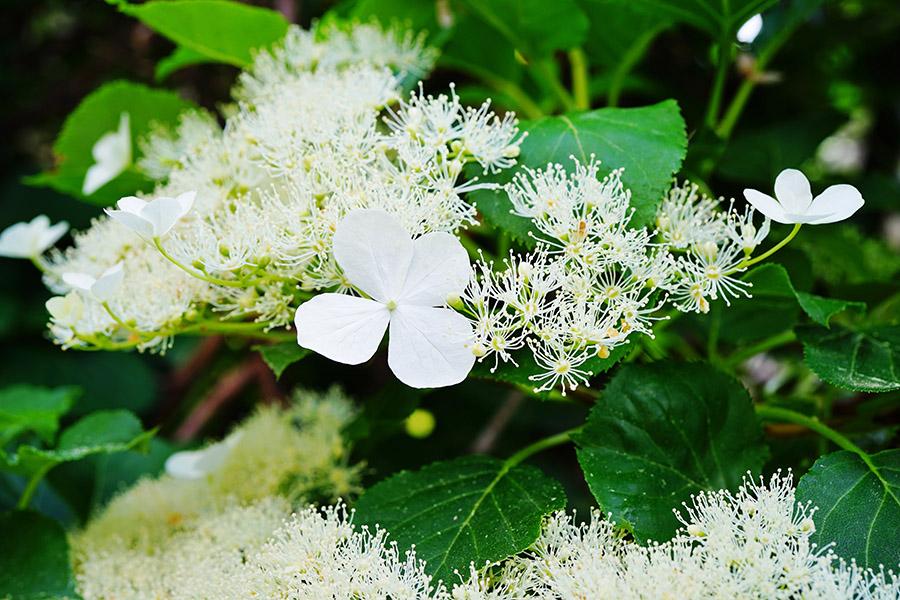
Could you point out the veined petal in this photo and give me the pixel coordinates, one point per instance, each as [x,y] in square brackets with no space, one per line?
[162,214]
[346,329]
[136,223]
[107,284]
[374,251]
[767,205]
[793,191]
[836,203]
[186,200]
[439,268]
[131,204]
[430,347]
[79,281]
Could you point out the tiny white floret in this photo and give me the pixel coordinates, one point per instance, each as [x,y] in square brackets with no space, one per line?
[100,288]
[152,219]
[30,240]
[794,202]
[408,282]
[112,155]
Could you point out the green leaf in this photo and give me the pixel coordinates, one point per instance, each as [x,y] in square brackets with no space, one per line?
[413,14]
[859,505]
[648,142]
[34,564]
[180,58]
[716,17]
[863,360]
[471,509]
[772,280]
[30,408]
[280,356]
[220,30]
[97,115]
[101,432]
[662,432]
[619,31]
[535,27]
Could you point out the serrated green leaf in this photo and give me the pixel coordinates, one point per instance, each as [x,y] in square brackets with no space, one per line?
[34,564]
[771,280]
[280,356]
[863,360]
[26,408]
[97,115]
[716,17]
[648,142]
[472,509]
[662,432]
[858,505]
[101,432]
[220,30]
[179,59]
[534,27]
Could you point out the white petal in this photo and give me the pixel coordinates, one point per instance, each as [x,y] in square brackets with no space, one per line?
[750,29]
[131,204]
[346,329]
[107,284]
[162,214]
[766,204]
[793,191]
[136,223]
[186,200]
[195,464]
[97,176]
[439,268]
[374,251]
[79,281]
[112,154]
[15,241]
[837,203]
[50,236]
[430,347]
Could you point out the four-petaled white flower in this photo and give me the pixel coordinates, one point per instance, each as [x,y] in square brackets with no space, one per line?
[30,240]
[795,202]
[409,282]
[67,309]
[152,219]
[112,155]
[196,464]
[100,288]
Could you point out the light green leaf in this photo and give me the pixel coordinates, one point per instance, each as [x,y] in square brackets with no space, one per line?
[280,356]
[472,509]
[716,17]
[97,115]
[220,30]
[535,27]
[34,564]
[101,432]
[179,59]
[662,432]
[772,280]
[30,408]
[858,505]
[648,142]
[863,360]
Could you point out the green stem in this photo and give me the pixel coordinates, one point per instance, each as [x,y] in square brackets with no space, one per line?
[776,341]
[627,63]
[715,99]
[543,72]
[31,487]
[198,274]
[523,102]
[37,262]
[786,415]
[538,446]
[579,64]
[749,262]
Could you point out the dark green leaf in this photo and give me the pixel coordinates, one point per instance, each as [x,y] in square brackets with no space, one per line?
[97,115]
[858,505]
[34,564]
[648,142]
[179,59]
[619,32]
[98,433]
[717,17]
[864,360]
[662,432]
[471,509]
[535,27]
[30,408]
[280,356]
[220,30]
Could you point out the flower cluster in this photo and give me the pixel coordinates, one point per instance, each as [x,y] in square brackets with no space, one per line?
[240,225]
[594,279]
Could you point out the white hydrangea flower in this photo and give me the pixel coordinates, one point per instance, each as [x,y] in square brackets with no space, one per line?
[100,288]
[112,155]
[794,202]
[196,464]
[408,283]
[152,219]
[30,240]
